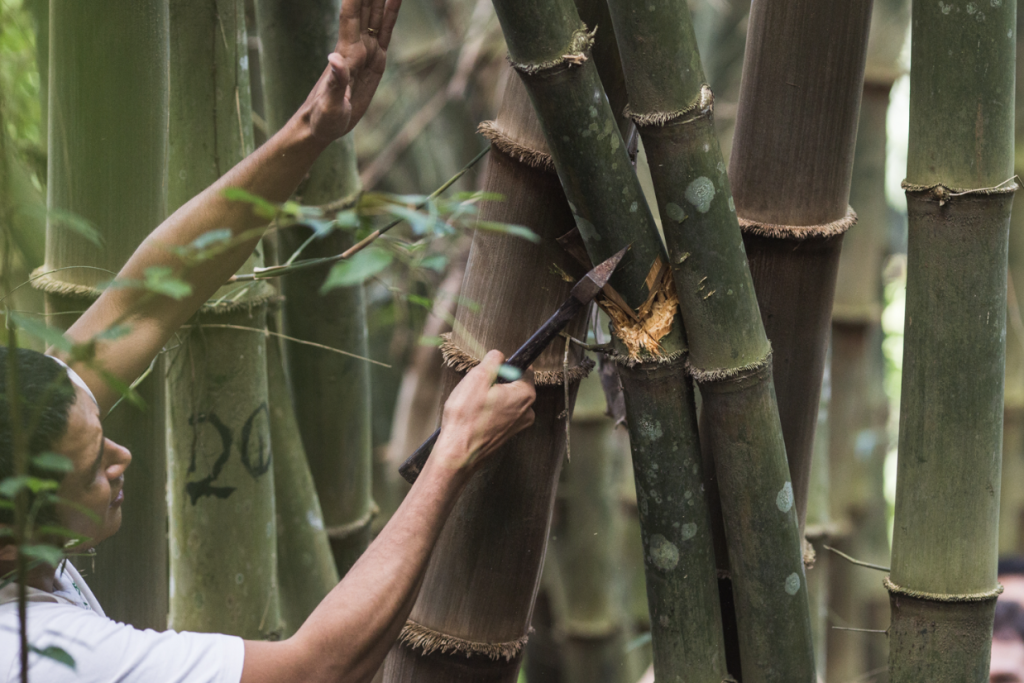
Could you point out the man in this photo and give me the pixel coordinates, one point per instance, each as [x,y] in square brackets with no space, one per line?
[1007,664]
[348,635]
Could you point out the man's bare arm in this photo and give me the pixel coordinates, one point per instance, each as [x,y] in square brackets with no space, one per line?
[350,632]
[336,103]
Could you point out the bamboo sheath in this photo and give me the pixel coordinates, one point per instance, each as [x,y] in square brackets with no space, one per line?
[792,159]
[331,392]
[223,544]
[945,539]
[108,110]
[730,357]
[304,559]
[473,613]
[549,47]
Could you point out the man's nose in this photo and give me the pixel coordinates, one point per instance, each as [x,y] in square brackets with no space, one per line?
[120,458]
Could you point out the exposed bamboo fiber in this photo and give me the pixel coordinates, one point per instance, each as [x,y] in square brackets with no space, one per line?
[461,361]
[485,570]
[791,165]
[222,505]
[800,232]
[331,392]
[527,155]
[428,641]
[108,97]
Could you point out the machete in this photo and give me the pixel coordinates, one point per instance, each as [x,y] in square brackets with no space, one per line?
[581,295]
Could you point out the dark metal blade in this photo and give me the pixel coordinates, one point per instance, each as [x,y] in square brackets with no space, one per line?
[591,283]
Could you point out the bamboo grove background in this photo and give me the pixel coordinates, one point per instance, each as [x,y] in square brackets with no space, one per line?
[671,513]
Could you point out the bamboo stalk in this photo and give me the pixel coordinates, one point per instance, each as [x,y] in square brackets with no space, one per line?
[590,616]
[108,110]
[819,529]
[549,47]
[473,613]
[729,354]
[331,392]
[220,476]
[304,558]
[943,583]
[791,164]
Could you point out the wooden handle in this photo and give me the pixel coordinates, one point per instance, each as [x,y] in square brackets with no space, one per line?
[413,465]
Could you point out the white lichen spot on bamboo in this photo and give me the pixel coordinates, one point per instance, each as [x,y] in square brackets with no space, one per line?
[664,553]
[688,531]
[793,583]
[675,212]
[700,193]
[944,8]
[633,207]
[651,429]
[239,578]
[663,620]
[784,499]
[244,62]
[314,520]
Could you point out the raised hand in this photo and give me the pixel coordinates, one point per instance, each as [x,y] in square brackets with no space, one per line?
[343,93]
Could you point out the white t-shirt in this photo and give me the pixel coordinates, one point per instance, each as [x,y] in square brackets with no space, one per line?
[104,650]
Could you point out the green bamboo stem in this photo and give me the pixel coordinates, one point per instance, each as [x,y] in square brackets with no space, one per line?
[220,473]
[304,558]
[478,592]
[331,392]
[590,615]
[549,47]
[729,354]
[819,530]
[802,72]
[943,581]
[108,110]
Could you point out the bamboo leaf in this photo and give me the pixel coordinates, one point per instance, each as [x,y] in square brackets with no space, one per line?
[56,654]
[212,238]
[38,329]
[435,262]
[12,486]
[53,462]
[162,280]
[76,224]
[260,206]
[47,554]
[356,270]
[508,228]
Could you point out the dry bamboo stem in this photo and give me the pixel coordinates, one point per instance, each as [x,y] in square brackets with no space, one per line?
[792,158]
[108,110]
[331,392]
[473,613]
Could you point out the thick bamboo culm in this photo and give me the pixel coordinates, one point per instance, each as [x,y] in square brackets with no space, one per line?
[729,354]
[586,574]
[1011,512]
[220,474]
[331,391]
[305,562]
[859,416]
[473,613]
[792,158]
[960,187]
[108,110]
[549,48]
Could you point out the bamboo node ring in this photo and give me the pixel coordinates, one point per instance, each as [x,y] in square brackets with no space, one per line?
[703,106]
[533,158]
[418,636]
[343,531]
[458,360]
[704,376]
[575,54]
[944,193]
[942,597]
[799,232]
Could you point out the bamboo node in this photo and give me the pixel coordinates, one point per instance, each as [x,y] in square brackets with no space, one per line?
[418,636]
[43,279]
[799,232]
[460,361]
[943,193]
[642,332]
[702,376]
[575,54]
[703,106]
[343,531]
[942,597]
[533,158]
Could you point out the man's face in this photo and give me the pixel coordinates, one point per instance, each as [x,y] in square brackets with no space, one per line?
[96,483]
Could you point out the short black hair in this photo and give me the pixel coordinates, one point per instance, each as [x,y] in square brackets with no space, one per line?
[1009,620]
[46,396]
[1011,564]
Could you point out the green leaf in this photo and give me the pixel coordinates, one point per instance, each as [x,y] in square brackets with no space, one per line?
[509,373]
[211,239]
[56,654]
[39,330]
[76,224]
[12,486]
[260,206]
[53,462]
[435,262]
[125,390]
[162,280]
[353,271]
[420,223]
[47,554]
[479,197]
[430,341]
[420,301]
[509,229]
[115,332]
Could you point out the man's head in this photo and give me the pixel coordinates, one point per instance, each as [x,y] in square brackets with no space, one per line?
[61,417]
[1008,630]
